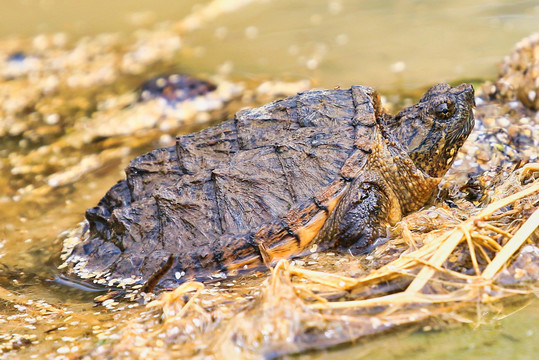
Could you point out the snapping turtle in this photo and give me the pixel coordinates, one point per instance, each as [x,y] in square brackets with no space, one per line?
[323,169]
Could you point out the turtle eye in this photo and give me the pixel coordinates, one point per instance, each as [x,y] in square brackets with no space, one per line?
[445,110]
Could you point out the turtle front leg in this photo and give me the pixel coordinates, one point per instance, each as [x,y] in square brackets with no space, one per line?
[360,217]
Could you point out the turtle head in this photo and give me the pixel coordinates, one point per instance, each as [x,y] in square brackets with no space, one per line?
[433,130]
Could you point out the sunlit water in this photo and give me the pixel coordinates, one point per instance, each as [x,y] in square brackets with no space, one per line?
[386,44]
[390,45]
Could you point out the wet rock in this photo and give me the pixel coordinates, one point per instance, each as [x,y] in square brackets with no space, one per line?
[519,73]
[174,88]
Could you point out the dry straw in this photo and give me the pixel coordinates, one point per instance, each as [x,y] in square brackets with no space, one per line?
[478,232]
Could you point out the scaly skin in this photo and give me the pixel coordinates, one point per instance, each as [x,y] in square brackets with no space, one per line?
[433,130]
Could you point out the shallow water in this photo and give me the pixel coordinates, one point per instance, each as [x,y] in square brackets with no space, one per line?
[391,45]
[386,44]
[510,338]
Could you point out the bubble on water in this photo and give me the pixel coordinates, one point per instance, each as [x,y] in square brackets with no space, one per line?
[221,32]
[341,39]
[335,7]
[312,64]
[398,67]
[251,32]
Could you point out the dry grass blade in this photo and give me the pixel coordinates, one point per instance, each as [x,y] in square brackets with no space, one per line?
[495,229]
[463,230]
[439,258]
[487,240]
[331,280]
[471,247]
[484,254]
[495,206]
[398,300]
[512,246]
[430,259]
[171,298]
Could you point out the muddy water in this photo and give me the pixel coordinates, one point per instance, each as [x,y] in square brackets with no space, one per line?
[386,44]
[392,45]
[510,338]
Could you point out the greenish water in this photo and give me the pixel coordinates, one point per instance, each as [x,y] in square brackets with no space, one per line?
[385,44]
[513,337]
[87,17]
[391,45]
